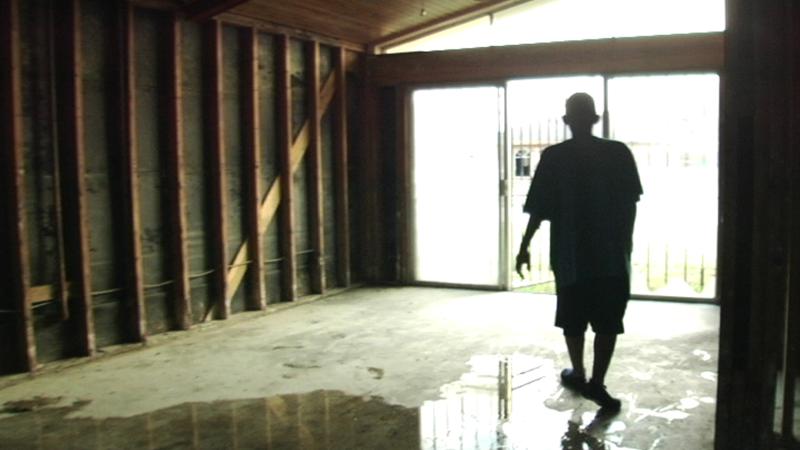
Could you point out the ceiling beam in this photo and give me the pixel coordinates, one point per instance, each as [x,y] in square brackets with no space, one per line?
[205,9]
[444,22]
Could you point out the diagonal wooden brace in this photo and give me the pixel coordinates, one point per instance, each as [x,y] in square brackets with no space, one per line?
[269,206]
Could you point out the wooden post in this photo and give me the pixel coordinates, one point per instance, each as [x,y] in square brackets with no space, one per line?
[75,198]
[12,171]
[315,192]
[216,134]
[129,162]
[284,94]
[257,295]
[176,184]
[62,288]
[340,167]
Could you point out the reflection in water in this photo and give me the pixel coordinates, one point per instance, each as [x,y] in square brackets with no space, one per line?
[502,403]
[317,420]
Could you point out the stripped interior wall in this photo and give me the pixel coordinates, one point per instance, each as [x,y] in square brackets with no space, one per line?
[165,172]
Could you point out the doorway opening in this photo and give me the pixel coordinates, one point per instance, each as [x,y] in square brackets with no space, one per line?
[475,150]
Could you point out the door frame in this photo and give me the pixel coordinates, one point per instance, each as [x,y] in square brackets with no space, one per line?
[405,162]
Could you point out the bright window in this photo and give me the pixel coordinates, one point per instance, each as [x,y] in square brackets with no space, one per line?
[542,21]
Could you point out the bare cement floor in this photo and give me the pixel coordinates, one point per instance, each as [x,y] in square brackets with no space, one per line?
[382,368]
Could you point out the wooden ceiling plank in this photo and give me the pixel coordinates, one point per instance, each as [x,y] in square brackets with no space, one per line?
[447,21]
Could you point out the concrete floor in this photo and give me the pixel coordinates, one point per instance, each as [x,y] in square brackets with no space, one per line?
[380,368]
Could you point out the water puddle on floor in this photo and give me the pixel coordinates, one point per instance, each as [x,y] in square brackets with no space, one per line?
[502,402]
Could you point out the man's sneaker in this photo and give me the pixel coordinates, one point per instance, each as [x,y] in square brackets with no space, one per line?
[597,393]
[572,380]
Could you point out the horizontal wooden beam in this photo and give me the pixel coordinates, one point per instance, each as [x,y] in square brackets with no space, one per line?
[206,9]
[691,52]
[430,27]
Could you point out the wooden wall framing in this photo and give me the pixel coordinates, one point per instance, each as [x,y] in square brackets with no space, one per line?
[73,189]
[257,295]
[11,170]
[216,141]
[259,205]
[287,221]
[314,155]
[134,273]
[177,178]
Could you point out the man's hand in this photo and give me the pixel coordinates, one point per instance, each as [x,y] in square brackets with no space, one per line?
[523,259]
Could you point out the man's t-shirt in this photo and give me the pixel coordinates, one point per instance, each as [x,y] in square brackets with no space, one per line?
[588,190]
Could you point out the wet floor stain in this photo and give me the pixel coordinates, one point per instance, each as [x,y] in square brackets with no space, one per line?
[315,420]
[376,372]
[501,403]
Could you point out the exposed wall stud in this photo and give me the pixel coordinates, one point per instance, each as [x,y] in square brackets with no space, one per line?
[75,198]
[12,172]
[176,181]
[129,162]
[315,195]
[341,172]
[271,201]
[284,94]
[216,139]
[257,295]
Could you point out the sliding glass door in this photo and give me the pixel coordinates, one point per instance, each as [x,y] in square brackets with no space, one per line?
[458,219]
[476,149]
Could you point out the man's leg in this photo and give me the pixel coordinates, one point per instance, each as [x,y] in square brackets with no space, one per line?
[575,349]
[603,351]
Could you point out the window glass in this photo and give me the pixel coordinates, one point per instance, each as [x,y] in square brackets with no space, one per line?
[573,20]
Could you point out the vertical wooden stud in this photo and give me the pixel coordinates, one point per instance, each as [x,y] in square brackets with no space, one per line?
[257,294]
[341,165]
[284,94]
[176,183]
[62,288]
[316,222]
[11,165]
[216,130]
[75,198]
[403,168]
[130,173]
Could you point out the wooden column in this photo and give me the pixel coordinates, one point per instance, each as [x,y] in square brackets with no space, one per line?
[216,141]
[75,197]
[176,181]
[12,171]
[257,294]
[285,134]
[315,192]
[340,168]
[129,162]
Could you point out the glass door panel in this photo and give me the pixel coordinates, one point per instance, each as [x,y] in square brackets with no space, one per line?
[457,138]
[671,123]
[535,108]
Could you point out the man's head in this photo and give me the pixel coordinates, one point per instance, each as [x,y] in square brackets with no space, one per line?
[581,115]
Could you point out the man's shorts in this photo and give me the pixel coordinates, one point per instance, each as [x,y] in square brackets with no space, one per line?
[600,301]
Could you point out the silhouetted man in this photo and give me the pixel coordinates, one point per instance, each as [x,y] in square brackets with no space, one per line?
[587,188]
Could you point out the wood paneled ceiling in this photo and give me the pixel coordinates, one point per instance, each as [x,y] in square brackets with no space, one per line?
[363,22]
